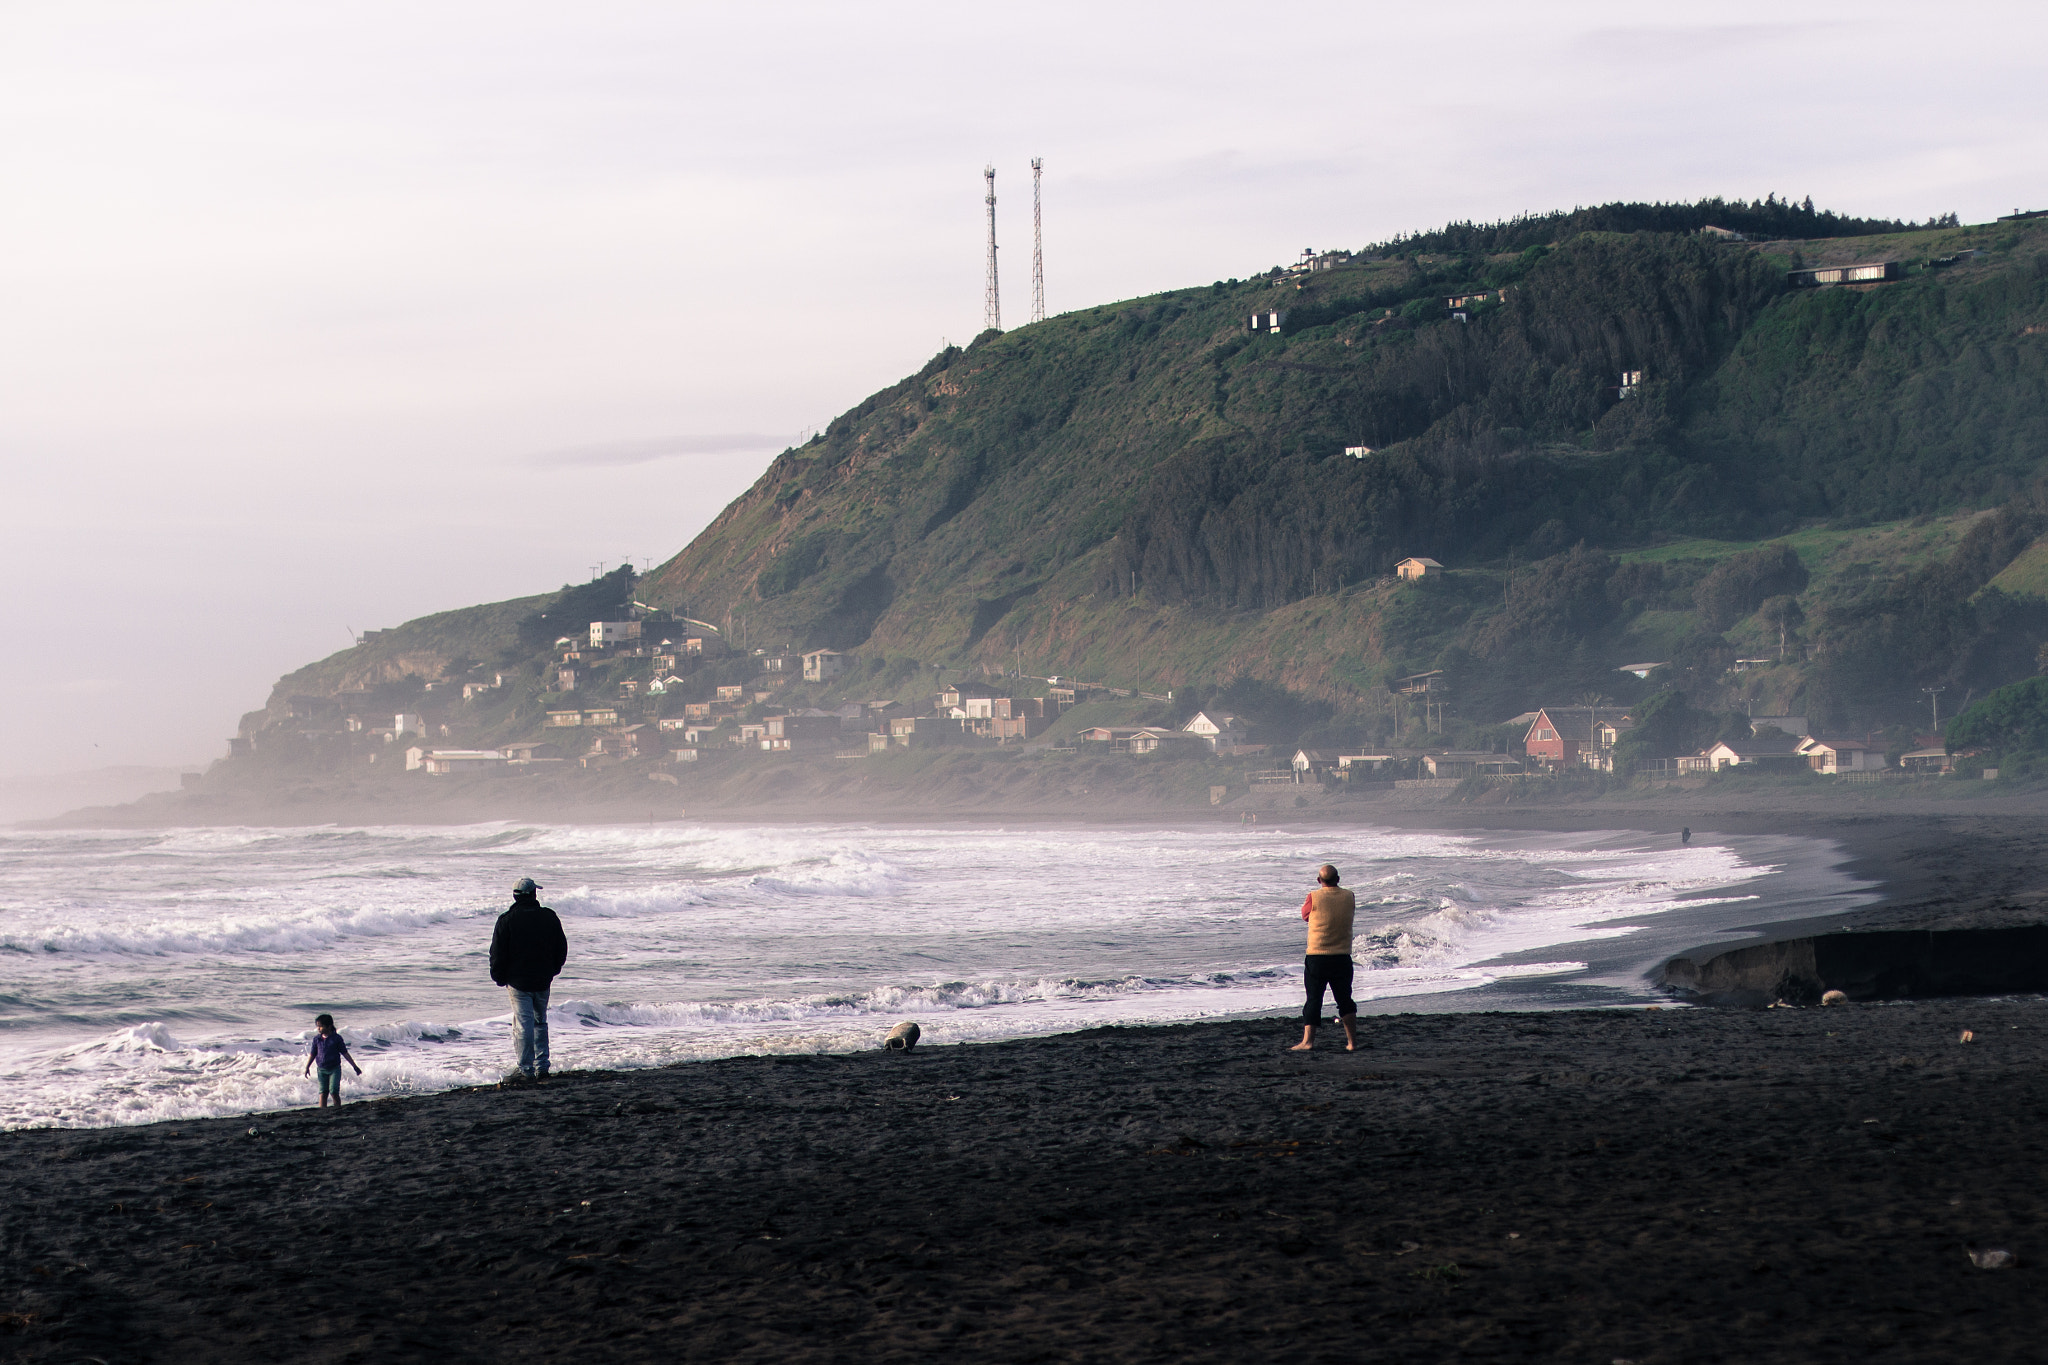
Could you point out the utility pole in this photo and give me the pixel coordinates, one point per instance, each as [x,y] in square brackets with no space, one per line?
[992,303]
[1934,700]
[1037,247]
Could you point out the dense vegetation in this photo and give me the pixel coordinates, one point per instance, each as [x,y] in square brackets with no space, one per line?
[1262,518]
[1769,218]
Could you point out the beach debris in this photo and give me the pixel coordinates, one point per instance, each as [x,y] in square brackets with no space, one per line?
[1992,1258]
[1781,1005]
[1834,998]
[252,1132]
[1407,1247]
[903,1037]
[1968,1037]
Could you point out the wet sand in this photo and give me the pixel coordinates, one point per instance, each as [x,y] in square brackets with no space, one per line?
[1649,1186]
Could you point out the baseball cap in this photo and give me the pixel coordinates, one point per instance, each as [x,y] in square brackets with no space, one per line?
[526,884]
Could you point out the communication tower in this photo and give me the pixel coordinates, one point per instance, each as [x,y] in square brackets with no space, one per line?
[992,306]
[1037,247]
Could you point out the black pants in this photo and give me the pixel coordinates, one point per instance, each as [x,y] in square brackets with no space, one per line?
[1327,969]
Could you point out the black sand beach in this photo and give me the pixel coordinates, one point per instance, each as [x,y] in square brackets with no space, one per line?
[1663,1185]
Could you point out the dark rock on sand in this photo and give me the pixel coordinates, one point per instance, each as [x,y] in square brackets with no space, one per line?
[1656,1186]
[1877,965]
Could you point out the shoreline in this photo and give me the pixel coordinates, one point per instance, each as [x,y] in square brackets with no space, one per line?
[1643,1184]
[1593,967]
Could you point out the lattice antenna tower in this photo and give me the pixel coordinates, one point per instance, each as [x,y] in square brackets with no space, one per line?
[1037,246]
[992,305]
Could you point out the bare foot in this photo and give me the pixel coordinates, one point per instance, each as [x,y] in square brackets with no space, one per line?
[1301,1047]
[1351,1047]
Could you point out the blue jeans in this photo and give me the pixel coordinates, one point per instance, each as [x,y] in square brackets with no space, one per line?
[530,1030]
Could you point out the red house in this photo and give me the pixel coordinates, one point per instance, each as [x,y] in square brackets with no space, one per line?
[1561,733]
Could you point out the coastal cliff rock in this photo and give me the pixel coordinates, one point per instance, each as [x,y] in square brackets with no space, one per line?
[1882,965]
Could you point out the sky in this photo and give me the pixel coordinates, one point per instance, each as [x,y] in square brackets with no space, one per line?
[314,319]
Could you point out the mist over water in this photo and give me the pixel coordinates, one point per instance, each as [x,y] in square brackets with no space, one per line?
[170,974]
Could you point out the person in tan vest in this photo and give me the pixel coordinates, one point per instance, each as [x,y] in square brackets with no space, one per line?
[1329,910]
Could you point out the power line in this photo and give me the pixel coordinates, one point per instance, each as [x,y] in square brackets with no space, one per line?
[1037,246]
[992,305]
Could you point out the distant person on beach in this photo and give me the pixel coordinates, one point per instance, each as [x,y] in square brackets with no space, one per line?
[329,1052]
[527,949]
[1685,834]
[1329,910]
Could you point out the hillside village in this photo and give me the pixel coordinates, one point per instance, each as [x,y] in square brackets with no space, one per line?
[654,694]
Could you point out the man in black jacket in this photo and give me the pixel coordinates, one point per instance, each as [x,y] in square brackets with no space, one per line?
[527,949]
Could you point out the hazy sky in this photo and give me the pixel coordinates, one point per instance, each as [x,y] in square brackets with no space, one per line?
[324,317]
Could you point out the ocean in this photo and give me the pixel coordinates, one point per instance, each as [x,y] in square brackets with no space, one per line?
[174,973]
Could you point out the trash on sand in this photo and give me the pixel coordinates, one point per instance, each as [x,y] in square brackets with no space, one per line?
[902,1038]
[1992,1258]
[1407,1247]
[252,1132]
[1834,998]
[1968,1037]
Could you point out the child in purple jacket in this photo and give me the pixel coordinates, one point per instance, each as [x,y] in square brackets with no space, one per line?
[329,1052]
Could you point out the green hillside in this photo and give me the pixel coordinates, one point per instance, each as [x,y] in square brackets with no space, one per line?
[1152,488]
[1155,494]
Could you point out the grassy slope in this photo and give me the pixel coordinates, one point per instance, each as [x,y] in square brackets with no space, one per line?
[429,647]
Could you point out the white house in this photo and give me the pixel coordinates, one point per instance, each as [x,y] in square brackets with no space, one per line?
[604,634]
[1220,731]
[1412,569]
[822,665]
[1772,751]
[1841,755]
[1308,764]
[408,723]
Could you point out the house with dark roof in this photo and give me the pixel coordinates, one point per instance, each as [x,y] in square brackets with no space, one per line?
[1842,755]
[1761,751]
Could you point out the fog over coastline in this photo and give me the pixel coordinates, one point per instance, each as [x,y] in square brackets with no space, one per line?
[322,320]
